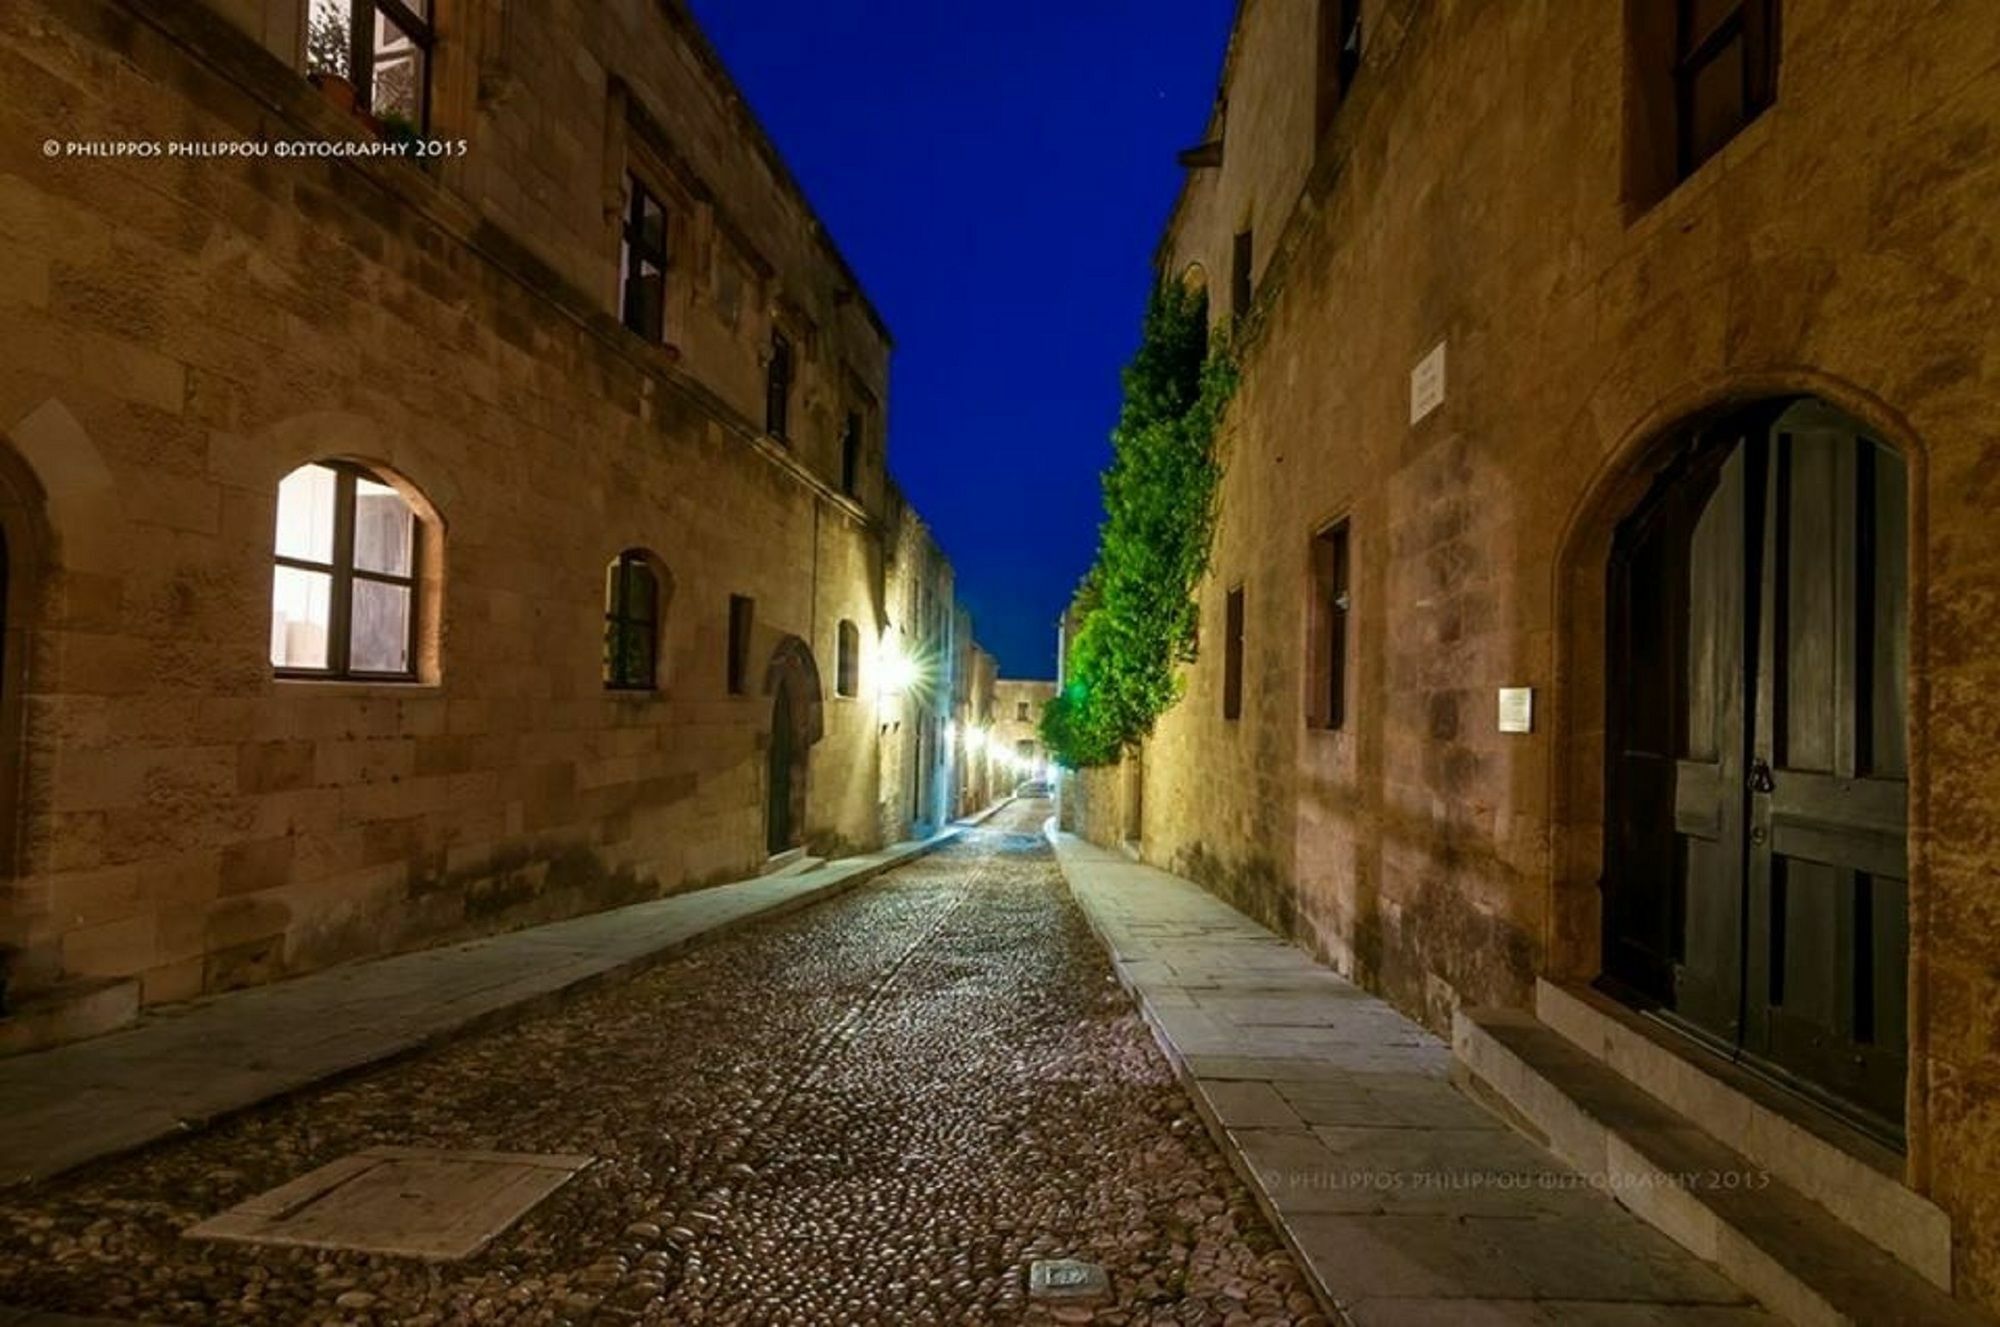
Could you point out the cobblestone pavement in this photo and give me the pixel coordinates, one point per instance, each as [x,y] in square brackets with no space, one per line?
[879,1110]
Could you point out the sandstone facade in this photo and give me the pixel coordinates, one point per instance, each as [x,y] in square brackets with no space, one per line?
[180,334]
[1489,178]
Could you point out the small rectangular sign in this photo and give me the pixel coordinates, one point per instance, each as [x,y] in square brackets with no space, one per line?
[1517,709]
[1427,384]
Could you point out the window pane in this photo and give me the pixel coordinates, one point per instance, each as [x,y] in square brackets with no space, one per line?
[384,529]
[652,227]
[1716,108]
[305,514]
[399,74]
[330,38]
[301,611]
[380,633]
[641,595]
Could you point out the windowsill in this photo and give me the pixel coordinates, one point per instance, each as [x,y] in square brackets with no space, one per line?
[635,693]
[357,686]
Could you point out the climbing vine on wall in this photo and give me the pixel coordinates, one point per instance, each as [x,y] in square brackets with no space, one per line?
[1136,609]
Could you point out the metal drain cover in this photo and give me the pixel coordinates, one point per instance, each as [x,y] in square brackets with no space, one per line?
[1067,1280]
[416,1202]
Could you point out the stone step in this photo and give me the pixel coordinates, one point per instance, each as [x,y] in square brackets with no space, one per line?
[72,1011]
[1853,1176]
[1789,1251]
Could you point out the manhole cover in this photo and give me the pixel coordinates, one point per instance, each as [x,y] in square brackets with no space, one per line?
[411,1201]
[1066,1279]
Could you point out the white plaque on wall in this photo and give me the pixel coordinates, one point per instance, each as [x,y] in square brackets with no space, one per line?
[1427,384]
[1517,709]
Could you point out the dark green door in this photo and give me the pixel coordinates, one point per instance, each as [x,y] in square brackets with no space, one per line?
[1756,882]
[783,753]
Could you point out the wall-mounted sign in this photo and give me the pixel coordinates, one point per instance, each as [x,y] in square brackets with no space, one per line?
[1427,384]
[1517,709]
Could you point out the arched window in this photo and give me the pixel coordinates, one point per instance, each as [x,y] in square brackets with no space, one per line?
[344,591]
[847,661]
[631,623]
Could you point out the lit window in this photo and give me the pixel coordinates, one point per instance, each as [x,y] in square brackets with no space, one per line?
[344,591]
[642,262]
[382,47]
[631,624]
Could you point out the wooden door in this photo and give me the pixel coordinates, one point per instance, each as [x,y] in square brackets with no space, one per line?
[1828,873]
[778,809]
[1755,861]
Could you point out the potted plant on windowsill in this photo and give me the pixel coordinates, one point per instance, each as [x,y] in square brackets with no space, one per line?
[338,89]
[396,127]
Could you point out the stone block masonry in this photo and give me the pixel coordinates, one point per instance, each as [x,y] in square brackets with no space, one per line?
[178,336]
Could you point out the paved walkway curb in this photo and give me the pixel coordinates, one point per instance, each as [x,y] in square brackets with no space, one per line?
[185,1067]
[1405,1202]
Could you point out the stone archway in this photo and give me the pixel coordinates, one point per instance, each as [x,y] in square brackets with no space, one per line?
[797,722]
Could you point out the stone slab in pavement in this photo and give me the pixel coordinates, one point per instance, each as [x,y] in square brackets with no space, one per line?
[1407,1202]
[184,1066]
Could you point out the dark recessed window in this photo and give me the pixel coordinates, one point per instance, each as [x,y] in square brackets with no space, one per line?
[631,623]
[382,47]
[642,262]
[742,620]
[1020,711]
[1725,72]
[1339,55]
[1232,655]
[850,455]
[847,661]
[1241,282]
[778,387]
[344,591]
[1326,697]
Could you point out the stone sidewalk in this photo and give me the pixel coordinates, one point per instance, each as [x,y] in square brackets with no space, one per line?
[1407,1202]
[186,1065]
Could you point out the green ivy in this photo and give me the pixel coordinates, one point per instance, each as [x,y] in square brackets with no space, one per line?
[1136,608]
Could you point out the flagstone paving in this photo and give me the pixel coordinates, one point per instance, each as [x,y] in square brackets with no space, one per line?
[1408,1203]
[883,1109]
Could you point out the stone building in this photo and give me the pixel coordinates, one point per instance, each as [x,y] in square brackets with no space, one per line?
[918,681]
[1017,721]
[401,547]
[1601,618]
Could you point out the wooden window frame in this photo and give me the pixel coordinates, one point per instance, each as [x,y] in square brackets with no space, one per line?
[361,50]
[1242,273]
[342,574]
[779,376]
[847,660]
[635,254]
[1233,614]
[620,622]
[1339,56]
[1332,573]
[850,455]
[742,624]
[1753,24]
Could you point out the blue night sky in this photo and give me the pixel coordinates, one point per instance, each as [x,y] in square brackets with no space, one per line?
[998,175]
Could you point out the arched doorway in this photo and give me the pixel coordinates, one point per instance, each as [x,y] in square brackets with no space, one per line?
[1757,761]
[792,682]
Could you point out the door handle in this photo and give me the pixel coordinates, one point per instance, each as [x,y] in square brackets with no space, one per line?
[1760,776]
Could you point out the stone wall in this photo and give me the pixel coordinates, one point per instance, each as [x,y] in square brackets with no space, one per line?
[1475,191]
[178,335]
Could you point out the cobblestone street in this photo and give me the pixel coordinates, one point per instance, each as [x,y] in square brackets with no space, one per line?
[879,1110]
